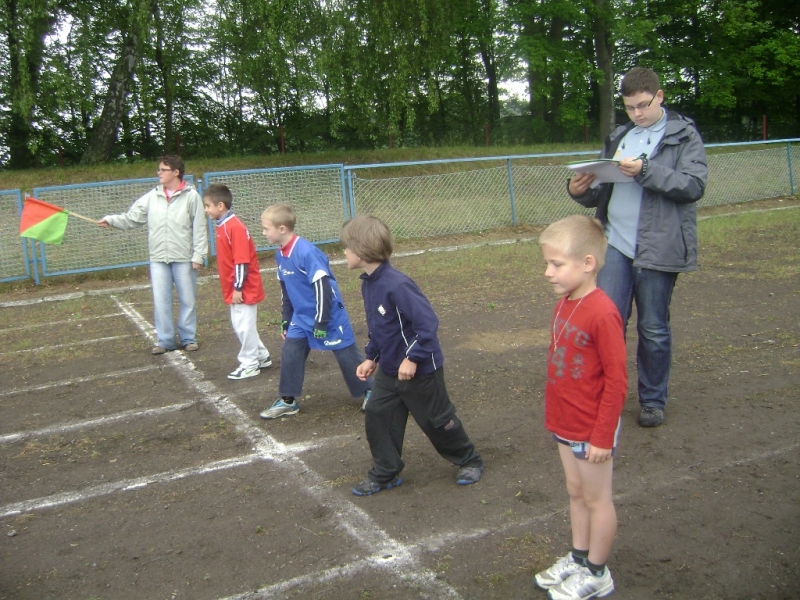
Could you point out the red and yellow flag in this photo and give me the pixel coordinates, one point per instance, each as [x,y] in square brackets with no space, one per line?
[42,221]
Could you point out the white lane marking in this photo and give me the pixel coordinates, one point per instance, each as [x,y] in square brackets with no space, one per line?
[64,322]
[65,382]
[65,427]
[351,519]
[70,345]
[104,489]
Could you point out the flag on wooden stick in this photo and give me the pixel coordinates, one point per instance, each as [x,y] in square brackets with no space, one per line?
[42,221]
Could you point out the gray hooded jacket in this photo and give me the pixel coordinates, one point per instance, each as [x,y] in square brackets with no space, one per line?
[666,238]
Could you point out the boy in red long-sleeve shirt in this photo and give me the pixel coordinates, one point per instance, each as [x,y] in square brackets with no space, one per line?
[586,387]
[240,279]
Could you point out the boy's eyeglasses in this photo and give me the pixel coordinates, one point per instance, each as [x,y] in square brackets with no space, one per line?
[640,107]
[159,171]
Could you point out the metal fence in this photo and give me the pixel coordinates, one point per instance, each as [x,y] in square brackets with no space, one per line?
[479,194]
[89,248]
[15,257]
[315,192]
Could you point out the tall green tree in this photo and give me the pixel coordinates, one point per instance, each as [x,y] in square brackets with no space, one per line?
[25,25]
[556,42]
[104,134]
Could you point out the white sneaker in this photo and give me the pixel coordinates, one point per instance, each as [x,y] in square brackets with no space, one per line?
[243,372]
[583,586]
[561,570]
[263,363]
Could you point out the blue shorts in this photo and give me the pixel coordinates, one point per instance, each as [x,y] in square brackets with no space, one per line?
[579,449]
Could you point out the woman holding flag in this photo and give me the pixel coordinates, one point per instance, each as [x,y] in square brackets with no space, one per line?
[177,244]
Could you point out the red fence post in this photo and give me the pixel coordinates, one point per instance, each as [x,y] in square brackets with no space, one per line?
[764,127]
[486,134]
[390,142]
[283,141]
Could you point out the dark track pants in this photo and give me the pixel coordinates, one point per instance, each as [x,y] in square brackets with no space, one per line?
[426,398]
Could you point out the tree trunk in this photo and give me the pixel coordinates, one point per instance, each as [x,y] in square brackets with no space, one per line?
[490,64]
[104,136]
[604,51]
[166,80]
[553,116]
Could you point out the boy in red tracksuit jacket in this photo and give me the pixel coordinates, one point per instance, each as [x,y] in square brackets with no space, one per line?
[239,278]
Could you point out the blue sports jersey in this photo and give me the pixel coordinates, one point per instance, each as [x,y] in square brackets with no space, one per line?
[304,266]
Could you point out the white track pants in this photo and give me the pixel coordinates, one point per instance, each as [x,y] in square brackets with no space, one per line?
[244,321]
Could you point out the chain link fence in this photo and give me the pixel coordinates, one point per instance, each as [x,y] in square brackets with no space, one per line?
[15,263]
[87,247]
[487,198]
[751,175]
[316,193]
[472,195]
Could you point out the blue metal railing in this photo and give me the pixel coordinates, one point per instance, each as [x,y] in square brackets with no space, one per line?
[324,195]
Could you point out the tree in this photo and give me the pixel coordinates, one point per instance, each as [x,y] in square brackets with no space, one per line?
[104,135]
[25,24]
[602,20]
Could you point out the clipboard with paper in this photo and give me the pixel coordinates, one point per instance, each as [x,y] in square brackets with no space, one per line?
[604,169]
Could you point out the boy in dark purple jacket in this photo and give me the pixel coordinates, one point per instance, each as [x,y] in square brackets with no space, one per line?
[403,343]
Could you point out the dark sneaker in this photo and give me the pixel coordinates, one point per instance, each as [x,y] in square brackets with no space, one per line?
[563,568]
[369,487]
[280,409]
[469,475]
[583,585]
[191,347]
[367,394]
[263,363]
[651,416]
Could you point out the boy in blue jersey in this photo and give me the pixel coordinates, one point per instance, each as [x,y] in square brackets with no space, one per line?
[312,313]
[403,342]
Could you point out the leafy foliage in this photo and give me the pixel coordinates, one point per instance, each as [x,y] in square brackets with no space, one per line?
[242,77]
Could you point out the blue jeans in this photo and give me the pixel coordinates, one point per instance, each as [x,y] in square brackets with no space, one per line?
[652,292]
[162,277]
[293,367]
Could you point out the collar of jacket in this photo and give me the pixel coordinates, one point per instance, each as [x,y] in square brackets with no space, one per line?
[376,273]
[223,218]
[676,123]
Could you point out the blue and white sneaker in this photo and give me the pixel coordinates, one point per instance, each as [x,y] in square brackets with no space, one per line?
[263,363]
[583,585]
[563,568]
[281,409]
[367,394]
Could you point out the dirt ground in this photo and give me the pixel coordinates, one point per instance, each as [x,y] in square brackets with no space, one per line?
[129,476]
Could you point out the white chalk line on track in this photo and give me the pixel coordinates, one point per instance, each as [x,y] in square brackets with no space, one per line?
[351,519]
[121,416]
[70,345]
[104,489]
[66,382]
[64,322]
